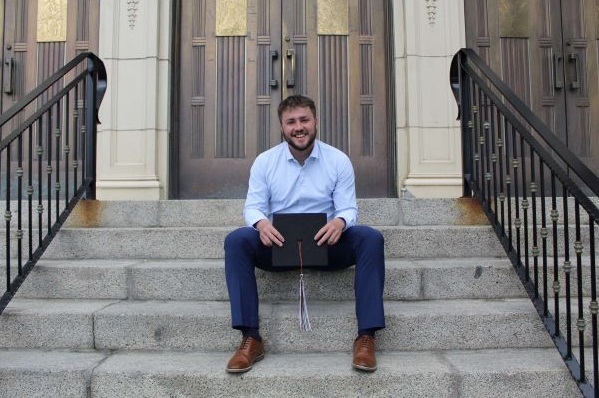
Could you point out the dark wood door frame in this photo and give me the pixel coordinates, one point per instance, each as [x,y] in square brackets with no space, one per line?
[175,81]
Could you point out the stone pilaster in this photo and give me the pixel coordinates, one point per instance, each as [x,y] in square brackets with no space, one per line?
[427,35]
[132,139]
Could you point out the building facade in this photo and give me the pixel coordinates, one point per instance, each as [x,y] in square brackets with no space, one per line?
[136,39]
[193,86]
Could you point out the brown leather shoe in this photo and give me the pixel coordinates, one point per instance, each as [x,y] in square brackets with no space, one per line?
[364,358]
[250,351]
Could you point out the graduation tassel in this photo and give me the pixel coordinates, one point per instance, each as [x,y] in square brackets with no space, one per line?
[304,319]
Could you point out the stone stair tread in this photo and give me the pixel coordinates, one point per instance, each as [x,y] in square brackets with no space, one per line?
[207,242]
[24,306]
[219,212]
[463,373]
[21,307]
[203,279]
[36,360]
[442,262]
[189,325]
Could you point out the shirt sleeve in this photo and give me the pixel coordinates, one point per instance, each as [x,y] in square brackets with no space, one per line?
[344,196]
[256,203]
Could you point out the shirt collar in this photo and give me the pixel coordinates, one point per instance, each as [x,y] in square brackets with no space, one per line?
[314,154]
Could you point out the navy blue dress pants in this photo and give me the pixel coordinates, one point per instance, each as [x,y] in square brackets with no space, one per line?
[359,245]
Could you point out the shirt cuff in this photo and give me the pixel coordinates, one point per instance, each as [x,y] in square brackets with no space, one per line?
[252,217]
[348,217]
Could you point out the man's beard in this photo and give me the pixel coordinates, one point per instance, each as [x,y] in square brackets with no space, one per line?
[294,146]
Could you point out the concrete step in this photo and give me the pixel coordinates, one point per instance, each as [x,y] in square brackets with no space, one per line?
[200,279]
[422,241]
[481,373]
[207,242]
[429,241]
[49,323]
[448,278]
[205,325]
[228,212]
[374,211]
[43,373]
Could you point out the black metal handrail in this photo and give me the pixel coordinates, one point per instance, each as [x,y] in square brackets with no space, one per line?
[47,162]
[523,175]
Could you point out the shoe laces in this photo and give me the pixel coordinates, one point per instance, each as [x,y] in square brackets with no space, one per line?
[365,341]
[245,343]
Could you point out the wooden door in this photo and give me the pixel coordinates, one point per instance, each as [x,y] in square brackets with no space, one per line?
[546,51]
[39,37]
[239,58]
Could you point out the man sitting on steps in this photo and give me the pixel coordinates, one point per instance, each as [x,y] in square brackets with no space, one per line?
[301,175]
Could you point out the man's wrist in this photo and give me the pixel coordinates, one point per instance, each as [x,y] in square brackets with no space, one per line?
[344,222]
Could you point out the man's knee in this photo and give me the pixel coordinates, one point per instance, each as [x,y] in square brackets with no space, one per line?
[238,237]
[370,235]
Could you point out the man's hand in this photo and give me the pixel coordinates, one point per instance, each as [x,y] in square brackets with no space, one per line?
[268,233]
[331,232]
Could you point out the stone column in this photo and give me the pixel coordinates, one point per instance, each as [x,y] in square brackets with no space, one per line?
[427,35]
[132,136]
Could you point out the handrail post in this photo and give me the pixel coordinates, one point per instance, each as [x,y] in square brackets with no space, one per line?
[90,130]
[465,121]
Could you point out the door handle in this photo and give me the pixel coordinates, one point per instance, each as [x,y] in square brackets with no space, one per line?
[575,85]
[291,55]
[274,55]
[8,66]
[558,74]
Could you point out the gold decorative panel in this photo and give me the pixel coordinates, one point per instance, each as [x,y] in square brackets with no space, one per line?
[513,18]
[51,20]
[332,17]
[231,17]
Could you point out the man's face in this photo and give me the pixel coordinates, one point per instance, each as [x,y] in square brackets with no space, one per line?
[298,126]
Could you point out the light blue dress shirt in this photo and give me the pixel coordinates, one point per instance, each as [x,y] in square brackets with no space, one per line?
[324,184]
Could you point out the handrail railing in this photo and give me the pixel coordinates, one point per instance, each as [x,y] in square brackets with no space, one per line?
[47,162]
[533,190]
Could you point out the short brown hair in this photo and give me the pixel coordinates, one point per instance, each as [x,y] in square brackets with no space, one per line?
[297,101]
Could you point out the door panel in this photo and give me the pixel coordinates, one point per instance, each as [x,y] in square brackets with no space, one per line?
[226,111]
[35,45]
[28,60]
[16,47]
[231,87]
[581,80]
[31,56]
[546,51]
